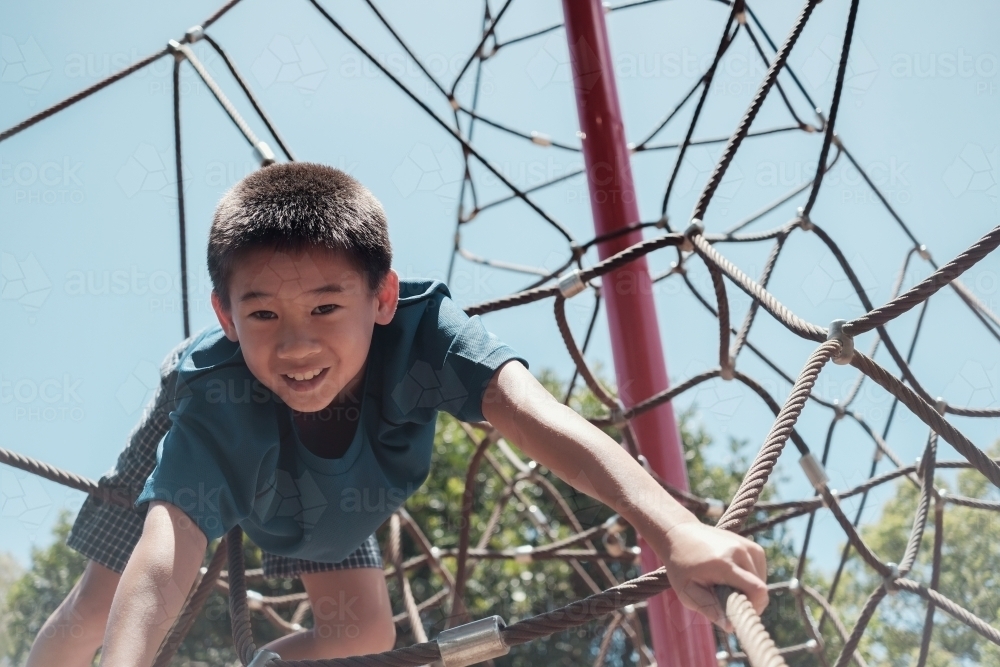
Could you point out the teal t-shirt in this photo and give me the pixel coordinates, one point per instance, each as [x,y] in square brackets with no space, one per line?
[232,455]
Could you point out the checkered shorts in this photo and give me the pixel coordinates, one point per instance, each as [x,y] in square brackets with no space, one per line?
[107,534]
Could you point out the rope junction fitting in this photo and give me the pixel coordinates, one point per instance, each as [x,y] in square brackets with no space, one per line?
[846,353]
[472,643]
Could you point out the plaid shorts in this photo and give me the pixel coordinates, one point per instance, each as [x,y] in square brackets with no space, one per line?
[107,534]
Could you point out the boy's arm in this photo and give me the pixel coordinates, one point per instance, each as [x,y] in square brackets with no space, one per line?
[696,556]
[153,586]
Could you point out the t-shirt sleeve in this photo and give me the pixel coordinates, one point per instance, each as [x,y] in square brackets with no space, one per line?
[453,366]
[208,464]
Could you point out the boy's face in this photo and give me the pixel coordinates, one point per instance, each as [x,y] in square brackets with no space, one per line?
[304,321]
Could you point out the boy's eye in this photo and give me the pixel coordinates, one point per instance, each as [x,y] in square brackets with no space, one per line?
[263,315]
[325,309]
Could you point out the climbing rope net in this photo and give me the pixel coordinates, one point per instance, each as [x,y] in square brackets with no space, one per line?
[744,513]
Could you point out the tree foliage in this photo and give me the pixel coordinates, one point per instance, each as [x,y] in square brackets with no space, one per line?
[969,576]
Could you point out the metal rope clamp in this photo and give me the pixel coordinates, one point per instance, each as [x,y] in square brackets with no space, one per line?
[695,228]
[264,154]
[193,34]
[814,472]
[889,580]
[262,657]
[571,284]
[473,642]
[846,342]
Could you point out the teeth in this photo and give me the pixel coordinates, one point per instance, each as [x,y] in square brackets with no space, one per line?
[309,375]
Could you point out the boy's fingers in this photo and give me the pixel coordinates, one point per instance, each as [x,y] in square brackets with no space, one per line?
[759,560]
[751,586]
[702,599]
[753,561]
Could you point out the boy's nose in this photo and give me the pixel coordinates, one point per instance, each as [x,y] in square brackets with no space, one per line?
[295,343]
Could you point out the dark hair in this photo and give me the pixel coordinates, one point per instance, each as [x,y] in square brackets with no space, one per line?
[295,206]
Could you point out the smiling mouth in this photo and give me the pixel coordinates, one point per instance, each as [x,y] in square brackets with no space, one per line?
[305,381]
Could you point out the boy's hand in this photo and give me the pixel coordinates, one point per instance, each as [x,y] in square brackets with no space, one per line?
[699,557]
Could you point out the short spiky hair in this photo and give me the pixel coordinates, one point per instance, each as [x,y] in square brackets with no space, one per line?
[295,206]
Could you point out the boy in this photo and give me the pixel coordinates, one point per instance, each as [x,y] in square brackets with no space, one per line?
[305,418]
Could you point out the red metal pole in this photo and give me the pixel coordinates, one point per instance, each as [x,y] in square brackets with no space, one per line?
[681,638]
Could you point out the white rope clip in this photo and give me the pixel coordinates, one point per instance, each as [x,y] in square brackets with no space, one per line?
[194,33]
[524,553]
[263,153]
[571,284]
[814,471]
[846,342]
[540,139]
[473,642]
[804,222]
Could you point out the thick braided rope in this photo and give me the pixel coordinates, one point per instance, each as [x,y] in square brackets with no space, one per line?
[238,607]
[755,291]
[929,416]
[86,92]
[574,352]
[838,90]
[748,117]
[867,612]
[748,493]
[610,264]
[926,287]
[112,495]
[956,611]
[754,638]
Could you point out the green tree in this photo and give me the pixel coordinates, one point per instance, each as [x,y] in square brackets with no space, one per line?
[37,593]
[10,571]
[970,576]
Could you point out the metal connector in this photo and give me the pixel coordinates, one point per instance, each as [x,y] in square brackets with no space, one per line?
[263,153]
[473,642]
[693,229]
[814,471]
[540,139]
[571,284]
[836,332]
[193,34]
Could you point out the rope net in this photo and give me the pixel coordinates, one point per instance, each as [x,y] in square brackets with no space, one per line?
[591,551]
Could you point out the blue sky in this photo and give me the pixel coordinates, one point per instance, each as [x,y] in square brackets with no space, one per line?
[89,297]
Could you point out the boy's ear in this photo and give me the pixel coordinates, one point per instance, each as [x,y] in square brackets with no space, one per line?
[225,317]
[388,298]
